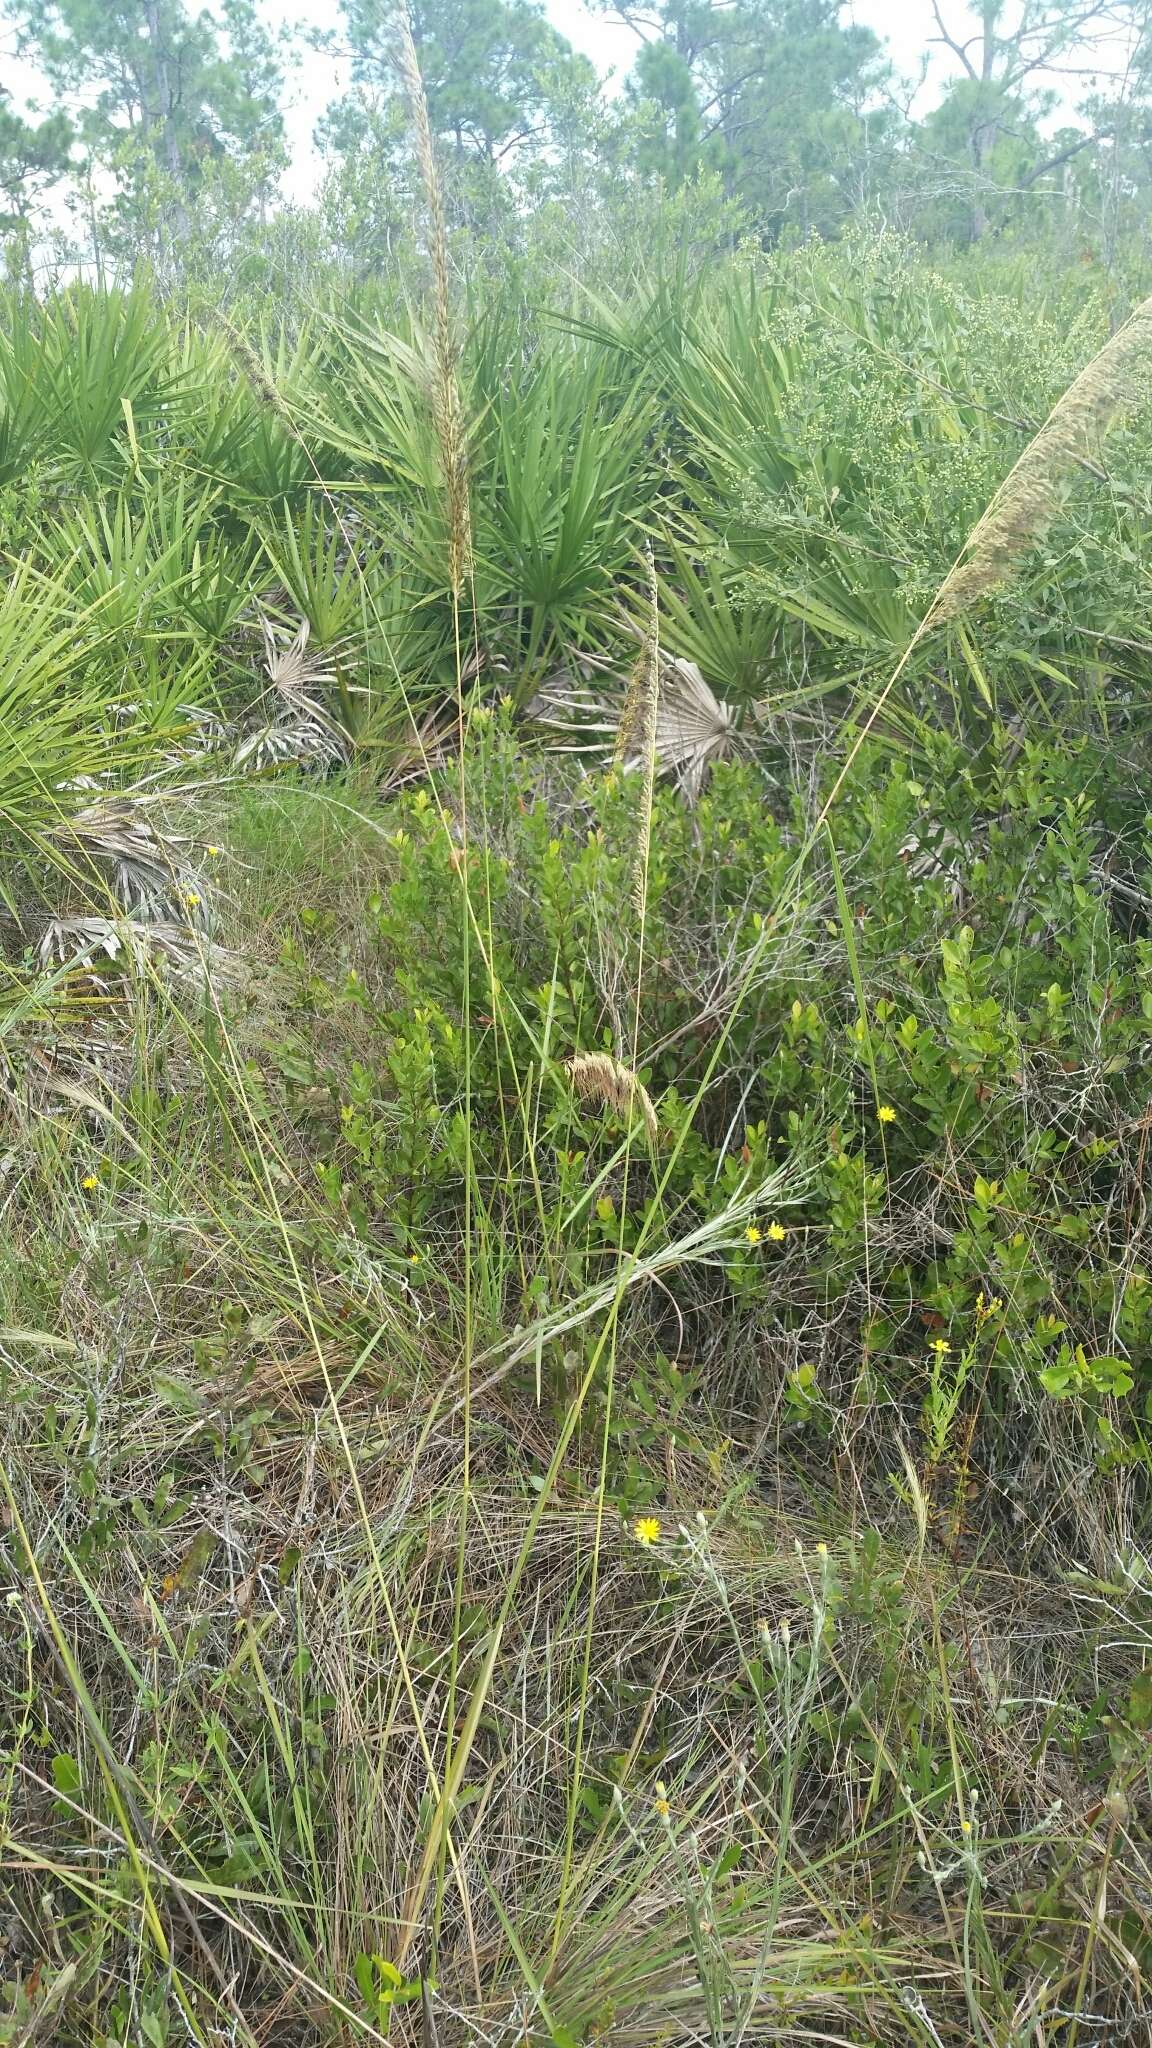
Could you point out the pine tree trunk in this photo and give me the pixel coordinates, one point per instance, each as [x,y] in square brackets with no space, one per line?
[165,111]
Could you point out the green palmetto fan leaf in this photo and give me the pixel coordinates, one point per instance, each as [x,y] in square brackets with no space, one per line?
[316,556]
[706,617]
[59,693]
[101,359]
[156,564]
[561,473]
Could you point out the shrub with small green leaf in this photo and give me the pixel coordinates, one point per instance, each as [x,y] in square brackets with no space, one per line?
[960,1141]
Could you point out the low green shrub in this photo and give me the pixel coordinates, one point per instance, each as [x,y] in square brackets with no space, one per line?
[961,1234]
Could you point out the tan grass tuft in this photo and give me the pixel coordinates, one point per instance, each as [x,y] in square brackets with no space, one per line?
[597,1077]
[447,407]
[1021,509]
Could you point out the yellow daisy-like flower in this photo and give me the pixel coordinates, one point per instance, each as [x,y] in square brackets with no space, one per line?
[661,1801]
[213,852]
[414,1258]
[753,1235]
[777,1233]
[886,1113]
[90,1180]
[646,1529]
[191,898]
[941,1346]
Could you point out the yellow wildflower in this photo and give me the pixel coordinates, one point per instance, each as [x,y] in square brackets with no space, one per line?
[213,852]
[752,1234]
[941,1346]
[646,1529]
[90,1181]
[662,1806]
[777,1233]
[191,898]
[886,1113]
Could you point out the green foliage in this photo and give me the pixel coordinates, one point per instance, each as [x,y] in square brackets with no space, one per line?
[985,1084]
[495,71]
[159,97]
[33,157]
[574,1367]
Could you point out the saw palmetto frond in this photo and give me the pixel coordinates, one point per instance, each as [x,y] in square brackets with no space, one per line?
[90,943]
[693,728]
[114,838]
[295,723]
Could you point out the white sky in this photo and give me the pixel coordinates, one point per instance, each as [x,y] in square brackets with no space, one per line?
[315,80]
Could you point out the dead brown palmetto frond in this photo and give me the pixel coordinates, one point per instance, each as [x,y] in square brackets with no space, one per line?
[425,748]
[85,942]
[145,867]
[306,741]
[597,1077]
[294,671]
[204,732]
[692,729]
[297,726]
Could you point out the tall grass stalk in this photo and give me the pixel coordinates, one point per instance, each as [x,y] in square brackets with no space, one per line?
[637,726]
[449,422]
[1020,509]
[448,410]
